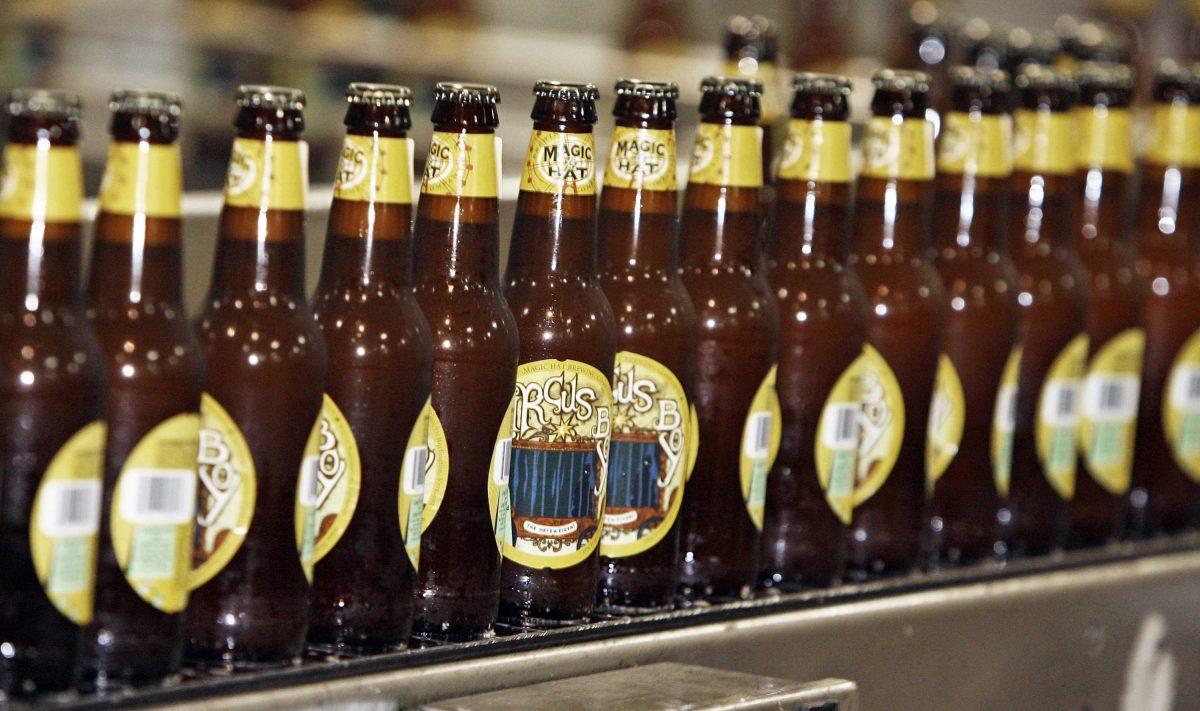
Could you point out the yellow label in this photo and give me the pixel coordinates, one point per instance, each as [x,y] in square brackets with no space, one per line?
[1044,141]
[976,144]
[228,487]
[65,521]
[1174,136]
[1181,407]
[727,155]
[901,149]
[694,440]
[760,445]
[267,174]
[41,183]
[142,178]
[153,511]
[837,441]
[1104,138]
[1110,405]
[648,457]
[947,414]
[550,464]
[816,150]
[423,448]
[560,163]
[330,479]
[641,159]
[1004,422]
[375,169]
[462,165]
[881,424]
[1057,422]
[768,74]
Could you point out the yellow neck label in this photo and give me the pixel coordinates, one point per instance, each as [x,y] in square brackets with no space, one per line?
[375,169]
[641,159]
[898,149]
[268,174]
[142,178]
[42,183]
[560,164]
[1104,138]
[976,144]
[730,156]
[1044,141]
[462,165]
[816,150]
[1174,136]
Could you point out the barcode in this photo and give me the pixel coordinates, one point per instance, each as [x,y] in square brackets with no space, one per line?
[414,468]
[70,508]
[158,496]
[756,443]
[841,426]
[1185,389]
[1111,397]
[309,486]
[1060,406]
[502,461]
[1006,409]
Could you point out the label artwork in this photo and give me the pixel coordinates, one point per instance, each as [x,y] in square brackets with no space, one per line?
[375,169]
[648,457]
[64,523]
[153,511]
[727,155]
[976,144]
[1058,416]
[330,478]
[1110,404]
[641,159]
[142,179]
[837,441]
[1004,422]
[41,183]
[560,163]
[1044,141]
[1104,139]
[816,150]
[1174,136]
[760,444]
[228,487]
[881,424]
[947,413]
[898,149]
[267,174]
[415,486]
[550,467]
[462,165]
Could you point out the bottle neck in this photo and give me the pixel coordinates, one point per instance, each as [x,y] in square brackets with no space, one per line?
[1104,163]
[975,162]
[813,191]
[895,192]
[636,225]
[1041,210]
[1168,213]
[721,207]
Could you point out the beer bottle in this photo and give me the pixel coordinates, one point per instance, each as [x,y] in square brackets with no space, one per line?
[1109,400]
[652,437]
[1053,300]
[752,51]
[738,419]
[264,363]
[52,402]
[474,362]
[549,499]
[822,331]
[970,420]
[369,441]
[153,374]
[906,318]
[1165,496]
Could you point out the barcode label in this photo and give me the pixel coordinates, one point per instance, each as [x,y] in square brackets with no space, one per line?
[1111,398]
[1185,389]
[502,461]
[414,468]
[310,484]
[158,496]
[1006,409]
[756,443]
[70,508]
[1060,404]
[841,426]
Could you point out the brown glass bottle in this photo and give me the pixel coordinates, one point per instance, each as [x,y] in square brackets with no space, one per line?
[906,320]
[1165,492]
[1108,403]
[1053,300]
[153,373]
[264,366]
[474,358]
[752,51]
[737,410]
[822,330]
[551,519]
[379,354]
[52,402]
[656,345]
[970,427]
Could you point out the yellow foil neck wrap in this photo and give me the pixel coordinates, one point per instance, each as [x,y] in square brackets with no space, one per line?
[374,169]
[895,148]
[1174,136]
[269,174]
[42,183]
[641,159]
[142,178]
[726,155]
[560,163]
[976,144]
[462,165]
[1044,141]
[816,150]
[1104,139]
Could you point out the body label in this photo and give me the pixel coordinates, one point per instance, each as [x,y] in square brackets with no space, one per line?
[560,163]
[153,512]
[1110,405]
[976,144]
[1004,422]
[462,165]
[375,169]
[837,441]
[1057,422]
[41,183]
[269,174]
[1181,408]
[228,487]
[415,484]
[947,414]
[142,178]
[898,149]
[550,464]
[1104,138]
[330,478]
[760,445]
[641,159]
[727,155]
[648,457]
[881,424]
[1044,141]
[1174,136]
[65,521]
[816,150]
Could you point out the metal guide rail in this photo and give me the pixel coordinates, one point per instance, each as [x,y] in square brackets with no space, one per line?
[515,657]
